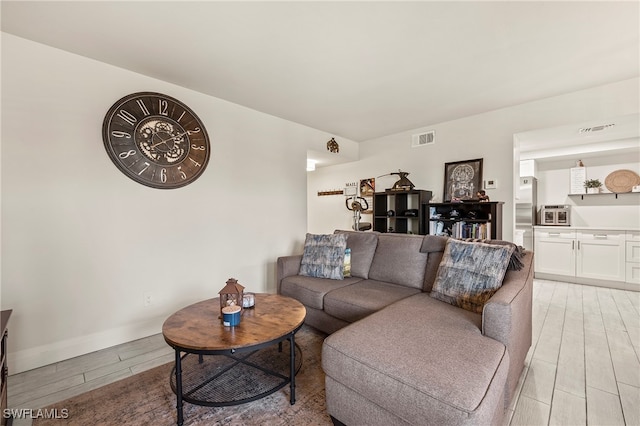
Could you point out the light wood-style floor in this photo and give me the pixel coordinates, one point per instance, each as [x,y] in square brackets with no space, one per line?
[583,366]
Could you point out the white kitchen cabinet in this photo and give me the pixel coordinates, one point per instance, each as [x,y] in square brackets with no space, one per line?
[601,255]
[555,252]
[584,255]
[632,250]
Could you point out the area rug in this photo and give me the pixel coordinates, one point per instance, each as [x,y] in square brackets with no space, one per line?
[147,399]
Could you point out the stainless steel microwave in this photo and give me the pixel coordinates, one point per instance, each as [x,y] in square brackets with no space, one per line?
[555,215]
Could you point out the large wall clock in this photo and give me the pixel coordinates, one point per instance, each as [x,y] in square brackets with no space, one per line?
[156,140]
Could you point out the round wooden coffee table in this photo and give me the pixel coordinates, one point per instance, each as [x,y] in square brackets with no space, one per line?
[218,366]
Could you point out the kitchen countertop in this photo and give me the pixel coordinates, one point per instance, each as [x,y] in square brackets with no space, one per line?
[589,228]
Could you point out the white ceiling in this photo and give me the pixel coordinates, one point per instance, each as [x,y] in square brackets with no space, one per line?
[359,70]
[613,135]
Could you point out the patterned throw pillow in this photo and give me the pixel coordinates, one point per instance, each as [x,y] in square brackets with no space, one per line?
[470,273]
[323,256]
[515,263]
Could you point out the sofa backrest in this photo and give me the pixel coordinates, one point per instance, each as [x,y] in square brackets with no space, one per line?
[433,246]
[398,260]
[409,260]
[363,247]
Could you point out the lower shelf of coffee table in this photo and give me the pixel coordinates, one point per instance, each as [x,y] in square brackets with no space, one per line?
[222,380]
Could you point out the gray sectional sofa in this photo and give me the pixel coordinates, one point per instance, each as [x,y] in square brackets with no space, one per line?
[396,355]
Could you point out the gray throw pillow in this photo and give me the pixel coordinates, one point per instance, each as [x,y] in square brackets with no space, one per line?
[323,256]
[470,273]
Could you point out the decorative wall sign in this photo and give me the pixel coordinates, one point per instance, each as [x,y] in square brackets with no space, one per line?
[351,189]
[578,176]
[462,179]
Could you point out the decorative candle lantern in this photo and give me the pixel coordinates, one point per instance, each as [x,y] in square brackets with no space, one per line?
[231,294]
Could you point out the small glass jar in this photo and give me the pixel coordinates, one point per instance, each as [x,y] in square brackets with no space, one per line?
[248,300]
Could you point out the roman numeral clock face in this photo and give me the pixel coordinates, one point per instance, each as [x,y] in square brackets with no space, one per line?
[156,140]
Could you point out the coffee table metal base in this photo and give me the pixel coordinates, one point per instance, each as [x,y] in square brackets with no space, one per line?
[235,377]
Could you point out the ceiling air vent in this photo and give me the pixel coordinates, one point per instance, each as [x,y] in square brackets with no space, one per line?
[596,128]
[422,139]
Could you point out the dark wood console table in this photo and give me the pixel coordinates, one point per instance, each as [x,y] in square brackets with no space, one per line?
[4,372]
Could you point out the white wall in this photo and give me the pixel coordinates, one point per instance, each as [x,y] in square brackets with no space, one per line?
[82,243]
[488,136]
[606,211]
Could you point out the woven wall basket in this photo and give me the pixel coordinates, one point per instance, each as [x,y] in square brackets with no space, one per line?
[621,181]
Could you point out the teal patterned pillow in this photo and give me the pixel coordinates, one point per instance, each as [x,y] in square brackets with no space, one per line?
[470,273]
[323,256]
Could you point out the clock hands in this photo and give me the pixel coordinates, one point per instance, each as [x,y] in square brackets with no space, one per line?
[186,132]
[167,140]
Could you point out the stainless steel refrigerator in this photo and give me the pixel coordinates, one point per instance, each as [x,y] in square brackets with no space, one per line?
[526,208]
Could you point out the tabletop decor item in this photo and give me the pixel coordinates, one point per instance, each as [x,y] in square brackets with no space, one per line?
[231,315]
[621,181]
[248,300]
[593,186]
[462,179]
[482,196]
[231,295]
[402,184]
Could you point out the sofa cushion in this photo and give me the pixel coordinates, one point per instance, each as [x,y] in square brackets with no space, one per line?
[443,372]
[398,260]
[363,247]
[356,301]
[470,272]
[311,291]
[323,256]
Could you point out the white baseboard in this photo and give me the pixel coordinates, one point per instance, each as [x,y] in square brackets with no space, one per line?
[588,281]
[39,356]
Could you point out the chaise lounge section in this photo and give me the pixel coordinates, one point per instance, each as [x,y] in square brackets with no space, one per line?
[397,355]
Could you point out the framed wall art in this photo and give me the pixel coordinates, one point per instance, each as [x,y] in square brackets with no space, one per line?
[367,187]
[462,180]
